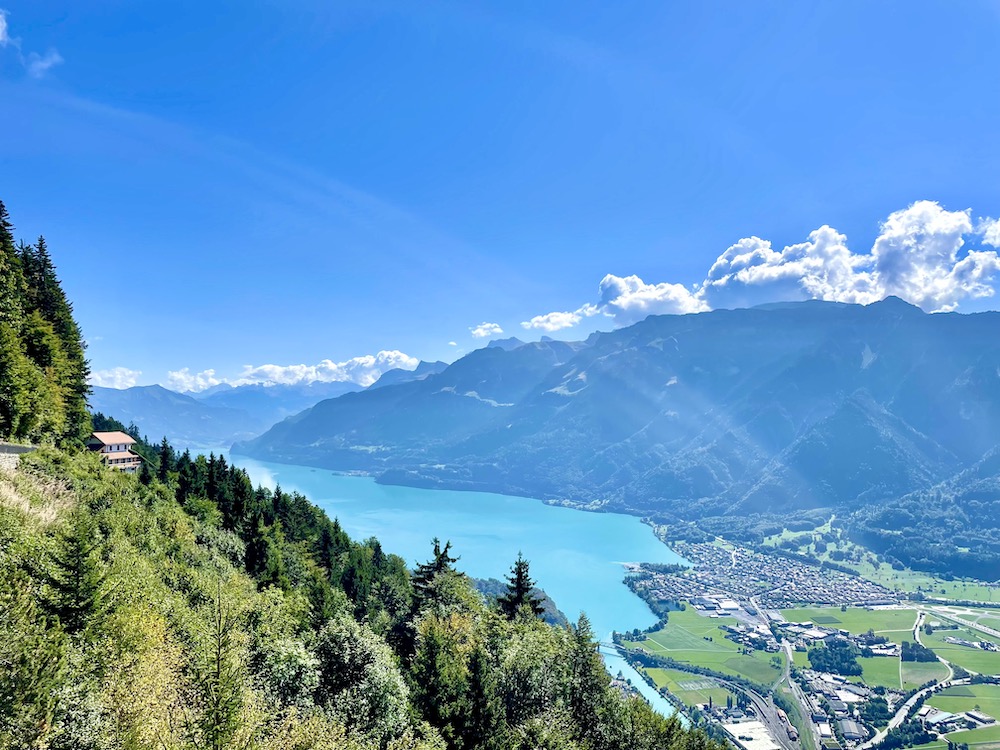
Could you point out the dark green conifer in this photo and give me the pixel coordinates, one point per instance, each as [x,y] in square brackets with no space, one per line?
[519,591]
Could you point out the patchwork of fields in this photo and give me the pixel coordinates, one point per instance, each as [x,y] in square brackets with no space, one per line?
[693,639]
[892,623]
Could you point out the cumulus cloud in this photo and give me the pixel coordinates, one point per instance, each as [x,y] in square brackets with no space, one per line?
[920,255]
[185,381]
[35,65]
[363,370]
[116,377]
[556,321]
[990,231]
[485,330]
[452,343]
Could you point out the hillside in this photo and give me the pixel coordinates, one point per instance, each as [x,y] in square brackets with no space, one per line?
[769,410]
[201,613]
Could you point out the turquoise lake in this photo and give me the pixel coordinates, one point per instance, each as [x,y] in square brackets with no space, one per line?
[575,556]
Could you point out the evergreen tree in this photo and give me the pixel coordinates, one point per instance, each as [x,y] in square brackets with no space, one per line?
[519,591]
[484,725]
[76,579]
[219,678]
[166,461]
[425,573]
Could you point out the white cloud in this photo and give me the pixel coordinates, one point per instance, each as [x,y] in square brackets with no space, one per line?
[38,65]
[4,33]
[990,231]
[919,255]
[35,64]
[485,330]
[116,377]
[629,299]
[556,321]
[452,343]
[363,370]
[184,380]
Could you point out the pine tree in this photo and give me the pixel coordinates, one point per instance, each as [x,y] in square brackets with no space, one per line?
[425,573]
[519,591]
[219,678]
[12,285]
[166,461]
[76,580]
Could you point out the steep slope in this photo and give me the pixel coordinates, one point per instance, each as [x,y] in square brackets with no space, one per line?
[735,411]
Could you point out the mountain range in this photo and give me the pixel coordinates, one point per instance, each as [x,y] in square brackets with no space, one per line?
[736,413]
[218,416]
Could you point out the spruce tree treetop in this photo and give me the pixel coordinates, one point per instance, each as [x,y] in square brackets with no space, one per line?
[519,591]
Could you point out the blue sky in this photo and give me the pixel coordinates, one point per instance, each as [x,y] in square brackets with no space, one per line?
[235,184]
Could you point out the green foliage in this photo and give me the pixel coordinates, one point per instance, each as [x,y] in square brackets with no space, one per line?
[201,613]
[916,652]
[43,368]
[838,656]
[520,588]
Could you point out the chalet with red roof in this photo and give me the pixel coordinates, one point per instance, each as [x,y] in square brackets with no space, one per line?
[116,450]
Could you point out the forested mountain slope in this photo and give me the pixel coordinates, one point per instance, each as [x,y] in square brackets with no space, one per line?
[771,410]
[198,612]
[43,369]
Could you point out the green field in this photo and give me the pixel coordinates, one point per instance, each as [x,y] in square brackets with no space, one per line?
[880,670]
[866,563]
[894,624]
[966,697]
[697,640]
[975,660]
[692,689]
[916,673]
[982,738]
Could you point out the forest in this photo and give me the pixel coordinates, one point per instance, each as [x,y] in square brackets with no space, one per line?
[183,608]
[43,366]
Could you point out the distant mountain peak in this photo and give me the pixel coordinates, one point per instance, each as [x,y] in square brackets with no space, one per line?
[507,344]
[893,303]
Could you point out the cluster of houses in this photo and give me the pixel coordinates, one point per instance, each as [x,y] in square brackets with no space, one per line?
[755,637]
[943,722]
[833,705]
[777,582]
[805,635]
[983,645]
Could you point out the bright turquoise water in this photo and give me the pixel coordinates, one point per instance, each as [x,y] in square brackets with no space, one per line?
[575,556]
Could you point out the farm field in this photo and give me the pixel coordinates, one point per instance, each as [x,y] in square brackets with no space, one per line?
[693,689]
[966,697]
[893,623]
[975,660]
[916,674]
[981,738]
[697,640]
[800,659]
[879,670]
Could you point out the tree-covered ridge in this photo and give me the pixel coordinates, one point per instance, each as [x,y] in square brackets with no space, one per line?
[187,609]
[43,369]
